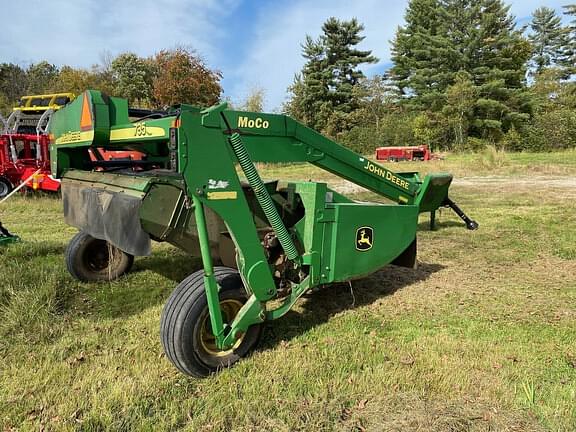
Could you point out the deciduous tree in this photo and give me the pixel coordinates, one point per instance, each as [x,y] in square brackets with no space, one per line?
[132,78]
[13,81]
[255,100]
[40,77]
[181,76]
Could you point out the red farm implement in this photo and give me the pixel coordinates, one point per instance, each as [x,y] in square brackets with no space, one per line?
[24,144]
[24,160]
[405,153]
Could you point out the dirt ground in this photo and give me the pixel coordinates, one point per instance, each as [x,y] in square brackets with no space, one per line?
[492,182]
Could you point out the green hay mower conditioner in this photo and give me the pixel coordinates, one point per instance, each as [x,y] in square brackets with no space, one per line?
[195,185]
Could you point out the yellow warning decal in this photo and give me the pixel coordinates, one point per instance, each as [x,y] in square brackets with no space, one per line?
[138,130]
[222,195]
[75,137]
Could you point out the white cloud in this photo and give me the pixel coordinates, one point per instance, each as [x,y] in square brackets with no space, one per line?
[275,54]
[76,32]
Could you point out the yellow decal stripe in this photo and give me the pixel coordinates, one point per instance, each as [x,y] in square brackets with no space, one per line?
[222,195]
[137,131]
[75,137]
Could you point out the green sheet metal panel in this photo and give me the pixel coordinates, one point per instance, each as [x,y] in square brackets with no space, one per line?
[433,192]
[365,237]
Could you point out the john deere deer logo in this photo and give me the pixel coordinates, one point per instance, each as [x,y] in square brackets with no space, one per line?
[364,238]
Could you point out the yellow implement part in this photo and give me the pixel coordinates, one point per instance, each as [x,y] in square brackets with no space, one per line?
[44,102]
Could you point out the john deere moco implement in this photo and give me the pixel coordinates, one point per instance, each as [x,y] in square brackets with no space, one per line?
[271,241]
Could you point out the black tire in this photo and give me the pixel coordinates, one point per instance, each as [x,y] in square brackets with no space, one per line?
[185,324]
[89,259]
[5,187]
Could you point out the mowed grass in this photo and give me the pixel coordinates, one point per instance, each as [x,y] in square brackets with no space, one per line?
[490,163]
[480,338]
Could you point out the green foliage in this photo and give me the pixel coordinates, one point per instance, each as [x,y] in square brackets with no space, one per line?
[458,80]
[461,98]
[13,81]
[569,60]
[181,76]
[549,39]
[172,76]
[255,100]
[73,80]
[472,45]
[132,77]
[432,129]
[5,105]
[40,76]
[552,130]
[323,95]
[395,129]
[512,140]
[476,145]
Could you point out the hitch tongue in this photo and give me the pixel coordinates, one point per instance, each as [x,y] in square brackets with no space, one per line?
[470,224]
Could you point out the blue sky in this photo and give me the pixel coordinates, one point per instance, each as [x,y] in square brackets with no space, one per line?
[254,43]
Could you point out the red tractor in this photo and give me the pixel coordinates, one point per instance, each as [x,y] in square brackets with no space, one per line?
[407,153]
[24,155]
[24,159]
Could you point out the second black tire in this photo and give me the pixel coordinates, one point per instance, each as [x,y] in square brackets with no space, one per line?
[5,187]
[89,259]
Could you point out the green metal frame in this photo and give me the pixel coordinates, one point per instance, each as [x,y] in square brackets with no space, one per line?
[204,148]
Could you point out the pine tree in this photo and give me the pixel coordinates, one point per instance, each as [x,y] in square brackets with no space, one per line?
[569,60]
[548,39]
[323,94]
[439,40]
[499,72]
[442,38]
[316,81]
[343,59]
[417,61]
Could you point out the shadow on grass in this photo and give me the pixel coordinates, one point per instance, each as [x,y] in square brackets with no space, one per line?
[117,300]
[174,266]
[425,225]
[332,299]
[142,288]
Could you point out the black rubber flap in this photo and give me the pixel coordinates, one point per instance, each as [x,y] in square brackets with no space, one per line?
[110,216]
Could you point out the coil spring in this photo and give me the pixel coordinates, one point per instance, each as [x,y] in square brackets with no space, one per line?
[262,196]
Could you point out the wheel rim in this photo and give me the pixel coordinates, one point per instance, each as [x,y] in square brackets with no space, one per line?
[229,308]
[99,256]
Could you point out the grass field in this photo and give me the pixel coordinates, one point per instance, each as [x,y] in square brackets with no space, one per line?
[480,338]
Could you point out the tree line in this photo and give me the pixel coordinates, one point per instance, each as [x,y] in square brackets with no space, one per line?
[171,76]
[463,74]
